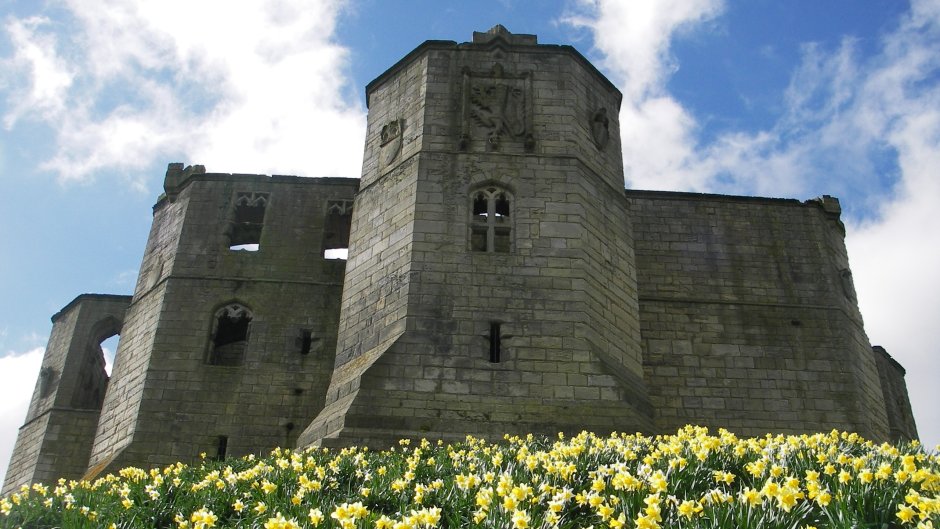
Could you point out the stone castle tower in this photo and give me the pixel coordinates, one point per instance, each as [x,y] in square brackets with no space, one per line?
[498,279]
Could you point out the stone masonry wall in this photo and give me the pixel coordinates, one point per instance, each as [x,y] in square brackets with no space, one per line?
[437,379]
[561,295]
[747,319]
[187,405]
[121,404]
[24,461]
[378,271]
[897,403]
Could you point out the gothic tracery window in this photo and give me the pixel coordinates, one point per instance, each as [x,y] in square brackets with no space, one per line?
[230,335]
[336,229]
[247,221]
[490,226]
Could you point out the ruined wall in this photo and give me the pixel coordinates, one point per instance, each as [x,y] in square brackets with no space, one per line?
[506,117]
[748,316]
[897,402]
[56,438]
[180,395]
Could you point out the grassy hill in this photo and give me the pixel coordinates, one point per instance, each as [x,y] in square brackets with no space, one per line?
[693,479]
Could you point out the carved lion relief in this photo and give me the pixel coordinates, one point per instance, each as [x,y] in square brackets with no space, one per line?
[497,111]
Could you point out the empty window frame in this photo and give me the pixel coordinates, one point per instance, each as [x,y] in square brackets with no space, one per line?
[247,221]
[230,331]
[336,229]
[490,223]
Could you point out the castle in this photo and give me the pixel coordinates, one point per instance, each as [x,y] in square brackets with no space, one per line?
[499,279]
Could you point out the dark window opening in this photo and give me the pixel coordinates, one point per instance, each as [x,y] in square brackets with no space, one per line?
[306,340]
[494,343]
[336,229]
[221,447]
[247,221]
[479,205]
[490,228]
[92,372]
[230,338]
[502,205]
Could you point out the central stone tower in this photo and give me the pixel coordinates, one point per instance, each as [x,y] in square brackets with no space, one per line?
[490,285]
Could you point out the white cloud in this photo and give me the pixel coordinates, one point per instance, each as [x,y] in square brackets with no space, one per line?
[126,279]
[36,57]
[263,88]
[635,37]
[895,258]
[657,133]
[18,374]
[845,119]
[894,264]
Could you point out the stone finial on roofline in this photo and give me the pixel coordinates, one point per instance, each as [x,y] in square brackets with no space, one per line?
[500,32]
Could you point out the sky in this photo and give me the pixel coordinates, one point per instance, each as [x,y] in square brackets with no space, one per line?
[788,99]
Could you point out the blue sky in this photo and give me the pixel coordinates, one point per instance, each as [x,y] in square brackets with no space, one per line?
[785,99]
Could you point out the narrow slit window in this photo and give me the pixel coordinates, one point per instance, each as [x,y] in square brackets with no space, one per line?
[336,229]
[306,340]
[247,221]
[221,447]
[490,223]
[494,343]
[230,336]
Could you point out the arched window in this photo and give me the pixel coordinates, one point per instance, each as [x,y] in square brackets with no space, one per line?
[490,223]
[94,370]
[336,229]
[230,328]
[247,221]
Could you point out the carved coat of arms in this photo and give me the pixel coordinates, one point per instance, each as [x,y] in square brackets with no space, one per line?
[499,108]
[390,146]
[600,128]
[496,109]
